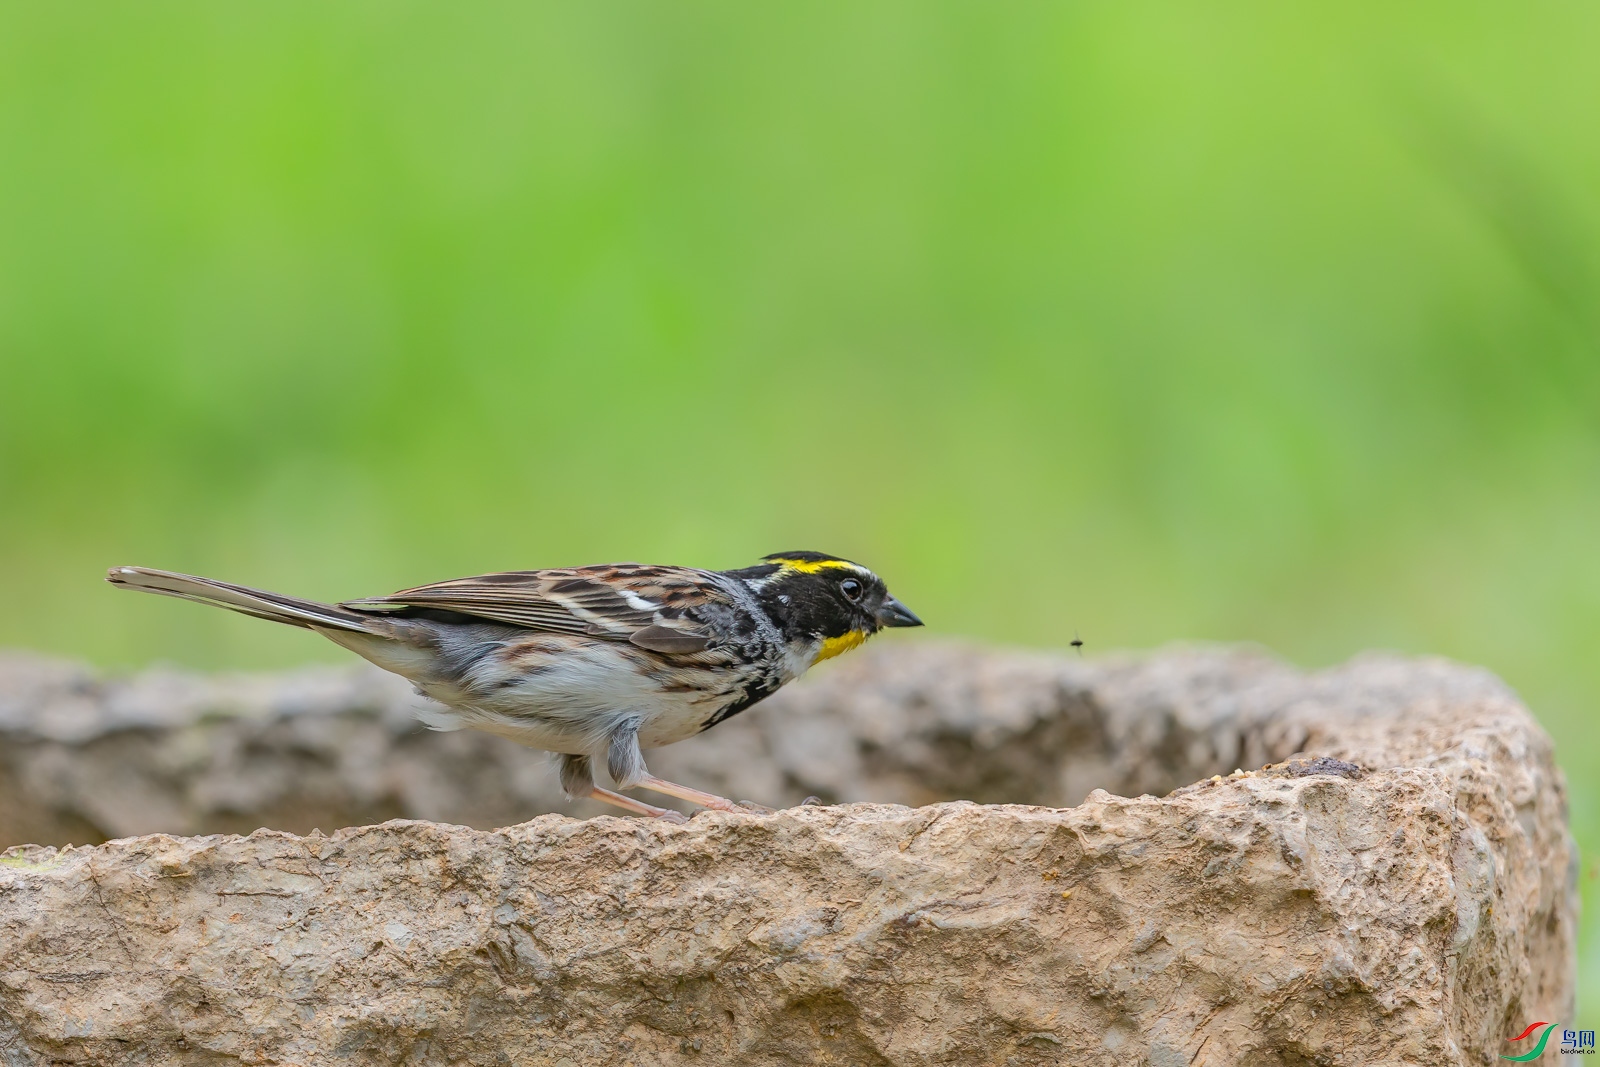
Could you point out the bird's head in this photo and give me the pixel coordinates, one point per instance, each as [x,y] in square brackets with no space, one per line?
[813,596]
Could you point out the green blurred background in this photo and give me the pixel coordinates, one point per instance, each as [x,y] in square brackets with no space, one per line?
[1145,322]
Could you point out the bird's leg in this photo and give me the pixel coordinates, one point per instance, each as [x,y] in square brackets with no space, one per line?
[626,764]
[577,782]
[576,779]
[692,795]
[638,807]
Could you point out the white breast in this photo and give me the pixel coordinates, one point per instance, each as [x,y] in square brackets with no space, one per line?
[572,699]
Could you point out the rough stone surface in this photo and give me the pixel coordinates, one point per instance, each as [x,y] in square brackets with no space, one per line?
[1395,888]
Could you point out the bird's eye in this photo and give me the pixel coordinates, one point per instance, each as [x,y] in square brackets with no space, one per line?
[851,589]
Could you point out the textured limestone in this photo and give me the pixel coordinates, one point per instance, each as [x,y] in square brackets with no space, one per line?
[1398,892]
[84,758]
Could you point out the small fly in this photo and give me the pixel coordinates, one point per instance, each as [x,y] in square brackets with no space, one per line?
[1077,642]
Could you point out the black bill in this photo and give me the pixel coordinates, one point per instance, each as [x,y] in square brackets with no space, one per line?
[894,613]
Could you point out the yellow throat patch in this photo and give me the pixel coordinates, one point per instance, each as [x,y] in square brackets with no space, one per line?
[833,646]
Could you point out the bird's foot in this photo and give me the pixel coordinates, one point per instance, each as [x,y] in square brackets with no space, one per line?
[638,807]
[692,795]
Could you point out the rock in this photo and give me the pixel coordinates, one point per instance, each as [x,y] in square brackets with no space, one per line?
[1393,885]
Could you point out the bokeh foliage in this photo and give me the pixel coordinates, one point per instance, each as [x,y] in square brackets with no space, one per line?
[1234,321]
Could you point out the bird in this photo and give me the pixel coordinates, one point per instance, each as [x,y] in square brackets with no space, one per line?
[594,664]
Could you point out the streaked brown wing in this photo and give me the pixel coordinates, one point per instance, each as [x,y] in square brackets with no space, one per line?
[625,601]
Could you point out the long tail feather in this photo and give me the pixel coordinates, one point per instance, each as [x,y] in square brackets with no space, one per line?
[273,607]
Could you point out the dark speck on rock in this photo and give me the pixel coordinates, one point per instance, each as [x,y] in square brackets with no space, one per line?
[1305,768]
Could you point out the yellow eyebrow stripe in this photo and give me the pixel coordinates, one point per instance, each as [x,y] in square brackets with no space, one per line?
[833,646]
[813,566]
